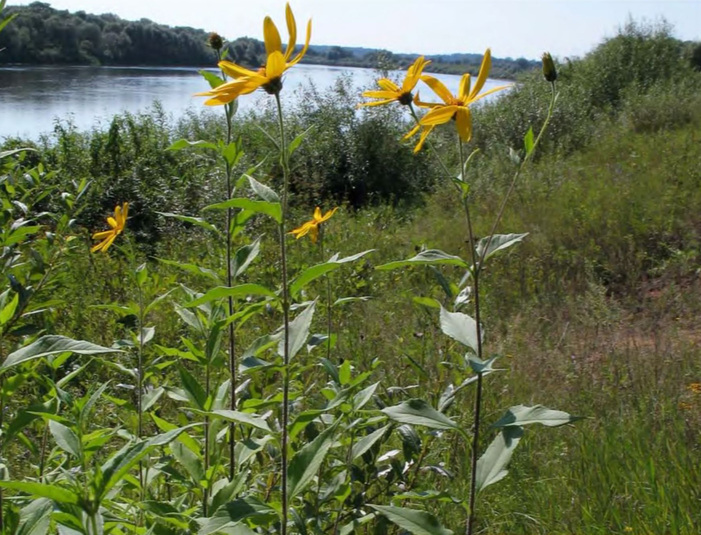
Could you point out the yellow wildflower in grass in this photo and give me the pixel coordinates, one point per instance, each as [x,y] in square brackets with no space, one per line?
[453,107]
[268,77]
[312,227]
[685,406]
[695,388]
[391,92]
[118,222]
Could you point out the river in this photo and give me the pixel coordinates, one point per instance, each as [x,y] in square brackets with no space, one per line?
[32,98]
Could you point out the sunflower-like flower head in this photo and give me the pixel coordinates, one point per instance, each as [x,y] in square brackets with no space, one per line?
[311,227]
[391,92]
[453,106]
[269,76]
[117,224]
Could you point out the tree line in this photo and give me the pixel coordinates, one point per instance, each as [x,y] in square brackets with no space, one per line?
[42,35]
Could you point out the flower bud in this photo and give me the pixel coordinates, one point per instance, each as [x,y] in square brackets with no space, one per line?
[215,41]
[549,71]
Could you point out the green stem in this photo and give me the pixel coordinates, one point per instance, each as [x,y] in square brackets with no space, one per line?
[329,318]
[477,411]
[140,387]
[230,216]
[286,316]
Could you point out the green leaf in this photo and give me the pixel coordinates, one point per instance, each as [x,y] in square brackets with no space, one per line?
[272,209]
[42,490]
[298,332]
[194,390]
[367,442]
[117,466]
[306,462]
[521,415]
[491,466]
[428,257]
[191,268]
[415,522]
[460,327]
[314,272]
[353,525]
[229,515]
[487,248]
[198,221]
[213,80]
[184,143]
[35,518]
[189,460]
[418,412]
[263,191]
[244,256]
[296,142]
[50,345]
[8,311]
[221,292]
[528,141]
[66,439]
[242,418]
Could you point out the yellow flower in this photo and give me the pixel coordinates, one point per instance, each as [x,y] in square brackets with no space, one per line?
[391,91]
[118,222]
[312,227]
[454,107]
[695,388]
[269,77]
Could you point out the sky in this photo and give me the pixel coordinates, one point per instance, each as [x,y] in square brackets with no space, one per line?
[511,28]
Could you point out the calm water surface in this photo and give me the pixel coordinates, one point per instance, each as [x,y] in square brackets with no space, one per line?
[32,98]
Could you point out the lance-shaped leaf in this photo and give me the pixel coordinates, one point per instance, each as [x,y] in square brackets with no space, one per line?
[66,439]
[418,412]
[233,513]
[244,256]
[367,442]
[521,415]
[35,518]
[491,467]
[242,418]
[198,221]
[299,332]
[50,345]
[306,462]
[192,268]
[460,327]
[263,191]
[413,521]
[117,466]
[272,209]
[314,272]
[184,143]
[221,292]
[498,242]
[428,257]
[42,490]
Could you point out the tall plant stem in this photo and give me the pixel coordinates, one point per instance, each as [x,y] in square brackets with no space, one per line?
[230,217]
[286,316]
[477,411]
[329,318]
[140,388]
[205,492]
[477,264]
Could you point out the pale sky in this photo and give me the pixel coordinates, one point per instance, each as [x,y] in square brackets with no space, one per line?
[516,28]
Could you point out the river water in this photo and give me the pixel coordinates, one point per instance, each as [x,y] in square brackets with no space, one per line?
[32,98]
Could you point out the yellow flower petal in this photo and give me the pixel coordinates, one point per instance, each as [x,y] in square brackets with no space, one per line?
[317,214]
[102,234]
[426,131]
[380,94]
[438,88]
[439,115]
[305,47]
[388,85]
[326,216]
[112,222]
[292,30]
[275,65]
[271,36]
[235,71]
[484,72]
[464,90]
[412,132]
[378,102]
[314,233]
[463,123]
[493,90]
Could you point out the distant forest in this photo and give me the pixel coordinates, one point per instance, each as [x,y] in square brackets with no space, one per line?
[46,36]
